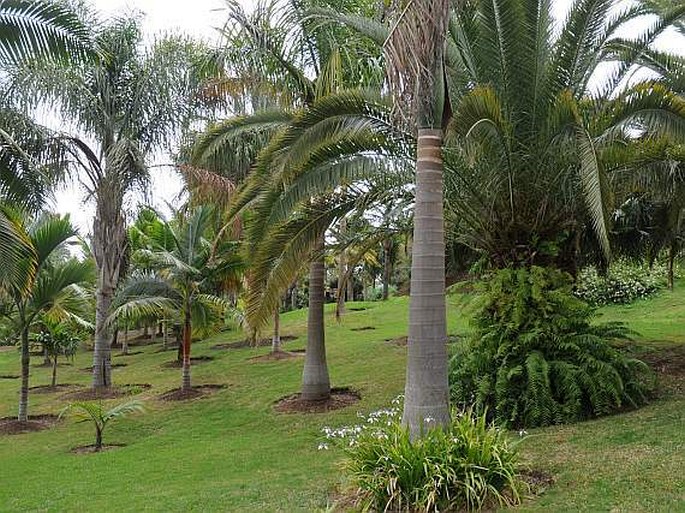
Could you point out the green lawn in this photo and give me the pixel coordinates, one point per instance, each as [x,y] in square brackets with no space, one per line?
[231,452]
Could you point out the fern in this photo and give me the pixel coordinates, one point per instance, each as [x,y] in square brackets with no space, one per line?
[537,359]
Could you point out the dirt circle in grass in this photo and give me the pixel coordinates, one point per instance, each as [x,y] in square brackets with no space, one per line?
[115,392]
[363,328]
[175,364]
[340,398]
[9,376]
[130,353]
[90,449]
[277,356]
[241,344]
[195,392]
[48,389]
[11,426]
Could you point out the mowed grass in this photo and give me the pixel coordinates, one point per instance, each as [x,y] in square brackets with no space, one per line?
[231,452]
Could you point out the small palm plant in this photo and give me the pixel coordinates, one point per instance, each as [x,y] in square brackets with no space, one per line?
[96,412]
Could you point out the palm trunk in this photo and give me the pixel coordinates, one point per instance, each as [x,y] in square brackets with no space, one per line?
[54,373]
[165,336]
[47,360]
[426,389]
[671,264]
[109,247]
[25,362]
[187,334]
[387,270]
[350,287]
[316,384]
[293,297]
[98,438]
[276,339]
[124,344]
[102,368]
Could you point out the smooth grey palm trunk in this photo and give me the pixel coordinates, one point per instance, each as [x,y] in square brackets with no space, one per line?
[102,352]
[426,389]
[187,336]
[316,384]
[25,369]
[276,339]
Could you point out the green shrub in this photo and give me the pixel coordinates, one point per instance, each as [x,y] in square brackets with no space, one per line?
[624,282]
[469,465]
[536,359]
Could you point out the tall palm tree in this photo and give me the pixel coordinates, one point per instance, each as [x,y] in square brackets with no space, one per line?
[180,274]
[131,102]
[56,290]
[283,50]
[28,29]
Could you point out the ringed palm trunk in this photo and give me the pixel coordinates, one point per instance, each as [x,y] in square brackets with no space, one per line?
[109,246]
[187,334]
[316,384]
[426,389]
[276,339]
[54,372]
[25,361]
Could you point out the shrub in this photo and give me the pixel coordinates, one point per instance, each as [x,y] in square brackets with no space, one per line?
[470,464]
[624,282]
[536,359]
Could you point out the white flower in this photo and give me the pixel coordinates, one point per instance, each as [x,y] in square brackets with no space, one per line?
[323,447]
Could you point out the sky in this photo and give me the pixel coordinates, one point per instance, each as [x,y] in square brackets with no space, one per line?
[201,18]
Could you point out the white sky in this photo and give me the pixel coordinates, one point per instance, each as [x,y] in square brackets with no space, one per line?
[200,18]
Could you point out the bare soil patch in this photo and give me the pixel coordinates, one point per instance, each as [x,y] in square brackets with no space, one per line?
[11,426]
[669,366]
[9,376]
[537,480]
[90,449]
[340,398]
[399,341]
[112,365]
[48,389]
[357,308]
[263,342]
[279,355]
[130,353]
[92,394]
[175,364]
[363,328]
[195,392]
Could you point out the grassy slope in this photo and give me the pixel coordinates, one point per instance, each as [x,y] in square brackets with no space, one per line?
[230,452]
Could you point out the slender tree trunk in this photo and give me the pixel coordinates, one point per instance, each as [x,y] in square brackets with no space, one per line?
[98,438]
[124,344]
[187,334]
[276,339]
[387,269]
[350,287]
[671,265]
[293,297]
[54,372]
[316,384]
[342,266]
[46,356]
[426,390]
[25,362]
[165,336]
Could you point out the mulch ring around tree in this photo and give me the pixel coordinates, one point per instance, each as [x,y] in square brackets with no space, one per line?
[92,394]
[241,344]
[363,328]
[11,426]
[48,389]
[130,353]
[669,366]
[9,376]
[195,392]
[341,397]
[176,364]
[112,365]
[277,356]
[90,449]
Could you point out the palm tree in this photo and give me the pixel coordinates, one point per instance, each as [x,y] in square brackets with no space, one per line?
[180,276]
[101,417]
[28,29]
[56,290]
[132,101]
[274,60]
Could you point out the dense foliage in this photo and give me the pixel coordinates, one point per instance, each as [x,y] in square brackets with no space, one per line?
[537,359]
[624,282]
[470,464]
